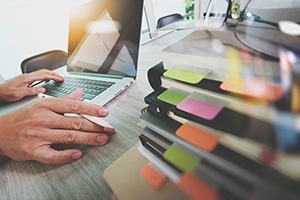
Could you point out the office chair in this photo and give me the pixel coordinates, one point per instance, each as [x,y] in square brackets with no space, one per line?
[168,19]
[48,60]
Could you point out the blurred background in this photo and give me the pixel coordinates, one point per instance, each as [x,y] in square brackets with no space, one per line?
[29,27]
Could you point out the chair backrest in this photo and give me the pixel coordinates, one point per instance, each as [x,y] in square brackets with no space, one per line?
[168,19]
[49,60]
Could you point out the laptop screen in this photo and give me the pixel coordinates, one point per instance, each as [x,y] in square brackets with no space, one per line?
[104,37]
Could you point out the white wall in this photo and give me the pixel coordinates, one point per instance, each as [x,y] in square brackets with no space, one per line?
[30,28]
[166,7]
[154,9]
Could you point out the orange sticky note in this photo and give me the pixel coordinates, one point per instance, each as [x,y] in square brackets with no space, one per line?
[152,176]
[196,189]
[258,89]
[197,137]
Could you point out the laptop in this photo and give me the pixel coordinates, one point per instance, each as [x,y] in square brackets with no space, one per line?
[103,45]
[104,40]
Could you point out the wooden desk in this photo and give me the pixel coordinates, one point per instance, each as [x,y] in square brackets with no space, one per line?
[83,178]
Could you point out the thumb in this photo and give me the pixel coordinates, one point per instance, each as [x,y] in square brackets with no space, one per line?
[50,156]
[34,91]
[74,96]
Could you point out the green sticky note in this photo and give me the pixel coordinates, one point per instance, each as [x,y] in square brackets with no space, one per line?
[184,75]
[172,96]
[181,159]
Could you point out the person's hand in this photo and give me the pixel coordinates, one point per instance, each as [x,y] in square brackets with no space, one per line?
[28,133]
[18,88]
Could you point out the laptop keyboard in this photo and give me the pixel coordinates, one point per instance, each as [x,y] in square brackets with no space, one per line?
[91,88]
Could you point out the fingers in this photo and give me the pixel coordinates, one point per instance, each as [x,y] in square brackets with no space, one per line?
[44,75]
[74,96]
[31,91]
[61,129]
[74,123]
[71,106]
[19,87]
[48,155]
[77,137]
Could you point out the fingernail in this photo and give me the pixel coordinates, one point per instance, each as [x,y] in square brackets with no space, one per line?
[102,139]
[109,129]
[76,155]
[103,111]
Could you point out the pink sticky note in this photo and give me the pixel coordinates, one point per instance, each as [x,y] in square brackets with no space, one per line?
[199,108]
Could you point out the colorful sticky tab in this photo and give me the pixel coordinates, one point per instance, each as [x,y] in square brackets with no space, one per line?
[254,88]
[184,75]
[200,109]
[197,137]
[196,189]
[173,96]
[208,99]
[202,105]
[181,159]
[152,176]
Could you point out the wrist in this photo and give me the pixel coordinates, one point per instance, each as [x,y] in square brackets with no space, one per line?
[3,158]
[2,92]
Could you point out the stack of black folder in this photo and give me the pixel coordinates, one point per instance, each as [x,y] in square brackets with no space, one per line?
[231,156]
